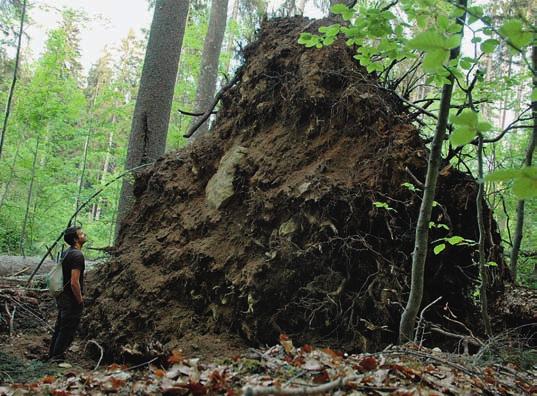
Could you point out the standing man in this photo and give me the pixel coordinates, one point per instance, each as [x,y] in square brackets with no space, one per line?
[69,302]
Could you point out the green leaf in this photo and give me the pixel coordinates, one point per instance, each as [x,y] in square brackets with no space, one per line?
[427,41]
[409,186]
[534,95]
[491,264]
[434,60]
[304,38]
[467,118]
[339,8]
[525,187]
[462,135]
[443,22]
[502,175]
[455,240]
[476,40]
[421,20]
[513,29]
[453,41]
[439,248]
[484,126]
[488,46]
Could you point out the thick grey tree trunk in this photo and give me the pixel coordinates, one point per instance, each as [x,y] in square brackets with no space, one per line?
[151,117]
[209,61]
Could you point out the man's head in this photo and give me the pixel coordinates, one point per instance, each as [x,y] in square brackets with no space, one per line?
[74,236]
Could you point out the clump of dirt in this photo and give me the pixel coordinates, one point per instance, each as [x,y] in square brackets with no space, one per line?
[291,216]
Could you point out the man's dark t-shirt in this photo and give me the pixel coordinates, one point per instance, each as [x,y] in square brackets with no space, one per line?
[73,259]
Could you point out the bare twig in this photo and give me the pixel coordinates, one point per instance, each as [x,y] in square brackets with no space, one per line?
[314,390]
[192,114]
[142,364]
[11,316]
[420,321]
[209,111]
[100,349]
[418,182]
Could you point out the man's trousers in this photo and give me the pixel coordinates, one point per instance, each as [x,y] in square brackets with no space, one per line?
[69,313]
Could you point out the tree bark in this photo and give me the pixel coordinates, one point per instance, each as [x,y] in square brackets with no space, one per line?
[7,184]
[151,116]
[519,228]
[300,6]
[209,61]
[419,255]
[483,298]
[29,197]
[13,81]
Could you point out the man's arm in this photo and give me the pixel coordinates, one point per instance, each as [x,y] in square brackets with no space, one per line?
[75,285]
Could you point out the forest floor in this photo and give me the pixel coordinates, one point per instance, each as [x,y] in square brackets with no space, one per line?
[284,368]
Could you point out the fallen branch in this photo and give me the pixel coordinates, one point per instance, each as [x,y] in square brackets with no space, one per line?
[22,271]
[191,114]
[208,112]
[100,349]
[272,390]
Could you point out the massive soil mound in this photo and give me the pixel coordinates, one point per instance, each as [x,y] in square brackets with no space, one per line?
[290,217]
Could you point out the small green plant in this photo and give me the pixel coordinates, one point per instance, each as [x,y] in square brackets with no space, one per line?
[410,186]
[383,205]
[432,224]
[454,240]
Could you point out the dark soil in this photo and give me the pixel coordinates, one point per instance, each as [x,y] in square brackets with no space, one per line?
[300,247]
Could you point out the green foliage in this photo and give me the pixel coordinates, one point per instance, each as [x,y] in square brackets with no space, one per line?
[524,180]
[455,240]
[383,205]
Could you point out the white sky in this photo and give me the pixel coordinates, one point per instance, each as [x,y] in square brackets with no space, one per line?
[110,21]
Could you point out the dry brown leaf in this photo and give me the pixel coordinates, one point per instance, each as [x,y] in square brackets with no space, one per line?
[175,357]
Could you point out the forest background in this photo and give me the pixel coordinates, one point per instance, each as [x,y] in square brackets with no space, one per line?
[68,130]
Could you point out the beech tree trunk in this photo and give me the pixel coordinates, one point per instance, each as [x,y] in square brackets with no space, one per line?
[151,116]
[209,61]
[421,244]
[519,228]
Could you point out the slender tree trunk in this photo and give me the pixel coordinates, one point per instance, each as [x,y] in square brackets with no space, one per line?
[7,184]
[519,228]
[83,171]
[300,6]
[209,61]
[231,35]
[14,80]
[151,116]
[483,298]
[29,198]
[408,319]
[106,165]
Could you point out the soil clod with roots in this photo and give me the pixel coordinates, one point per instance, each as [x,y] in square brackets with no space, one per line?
[295,215]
